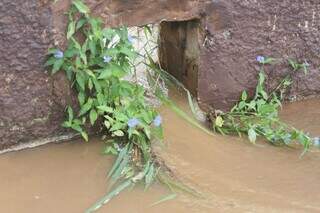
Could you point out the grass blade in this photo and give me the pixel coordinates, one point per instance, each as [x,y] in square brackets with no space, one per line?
[117,173]
[177,185]
[185,116]
[109,196]
[150,174]
[121,156]
[191,104]
[168,78]
[166,198]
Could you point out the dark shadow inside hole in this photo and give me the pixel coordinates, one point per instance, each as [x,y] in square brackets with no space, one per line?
[179,51]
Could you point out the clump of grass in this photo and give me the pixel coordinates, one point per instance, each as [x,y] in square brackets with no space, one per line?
[259,116]
[96,62]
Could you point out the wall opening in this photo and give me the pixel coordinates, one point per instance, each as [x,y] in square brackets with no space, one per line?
[179,51]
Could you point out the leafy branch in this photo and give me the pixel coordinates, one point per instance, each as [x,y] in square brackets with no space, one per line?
[259,116]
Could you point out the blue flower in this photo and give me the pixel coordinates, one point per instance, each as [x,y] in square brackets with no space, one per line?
[157,121]
[107,59]
[133,122]
[130,39]
[58,54]
[260,59]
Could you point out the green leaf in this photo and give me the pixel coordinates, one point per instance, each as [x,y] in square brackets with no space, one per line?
[117,71]
[120,169]
[83,56]
[90,84]
[85,136]
[242,104]
[98,85]
[128,51]
[90,73]
[121,156]
[70,52]
[267,109]
[147,131]
[108,33]
[81,80]
[264,95]
[252,135]
[57,65]
[293,64]
[76,127]
[166,198]
[252,105]
[67,124]
[93,116]
[80,23]
[117,126]
[78,63]
[106,73]
[50,61]
[84,46]
[101,99]
[86,107]
[110,150]
[105,109]
[191,104]
[76,44]
[109,196]
[92,47]
[269,60]
[95,26]
[81,98]
[70,114]
[262,78]
[244,96]
[219,121]
[71,29]
[107,124]
[118,133]
[82,8]
[150,174]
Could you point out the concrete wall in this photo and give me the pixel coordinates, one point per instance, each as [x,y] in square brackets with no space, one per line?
[231,34]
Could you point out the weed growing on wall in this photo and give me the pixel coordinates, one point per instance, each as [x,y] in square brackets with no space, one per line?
[96,61]
[259,116]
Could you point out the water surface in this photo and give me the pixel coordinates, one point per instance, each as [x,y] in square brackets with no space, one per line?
[231,174]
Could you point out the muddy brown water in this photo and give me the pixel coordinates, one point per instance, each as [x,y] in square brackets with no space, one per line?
[231,174]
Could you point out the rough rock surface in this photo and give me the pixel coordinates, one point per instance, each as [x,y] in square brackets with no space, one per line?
[32,102]
[235,32]
[31,107]
[231,34]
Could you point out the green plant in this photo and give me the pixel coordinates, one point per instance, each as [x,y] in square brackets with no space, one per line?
[96,61]
[259,116]
[296,66]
